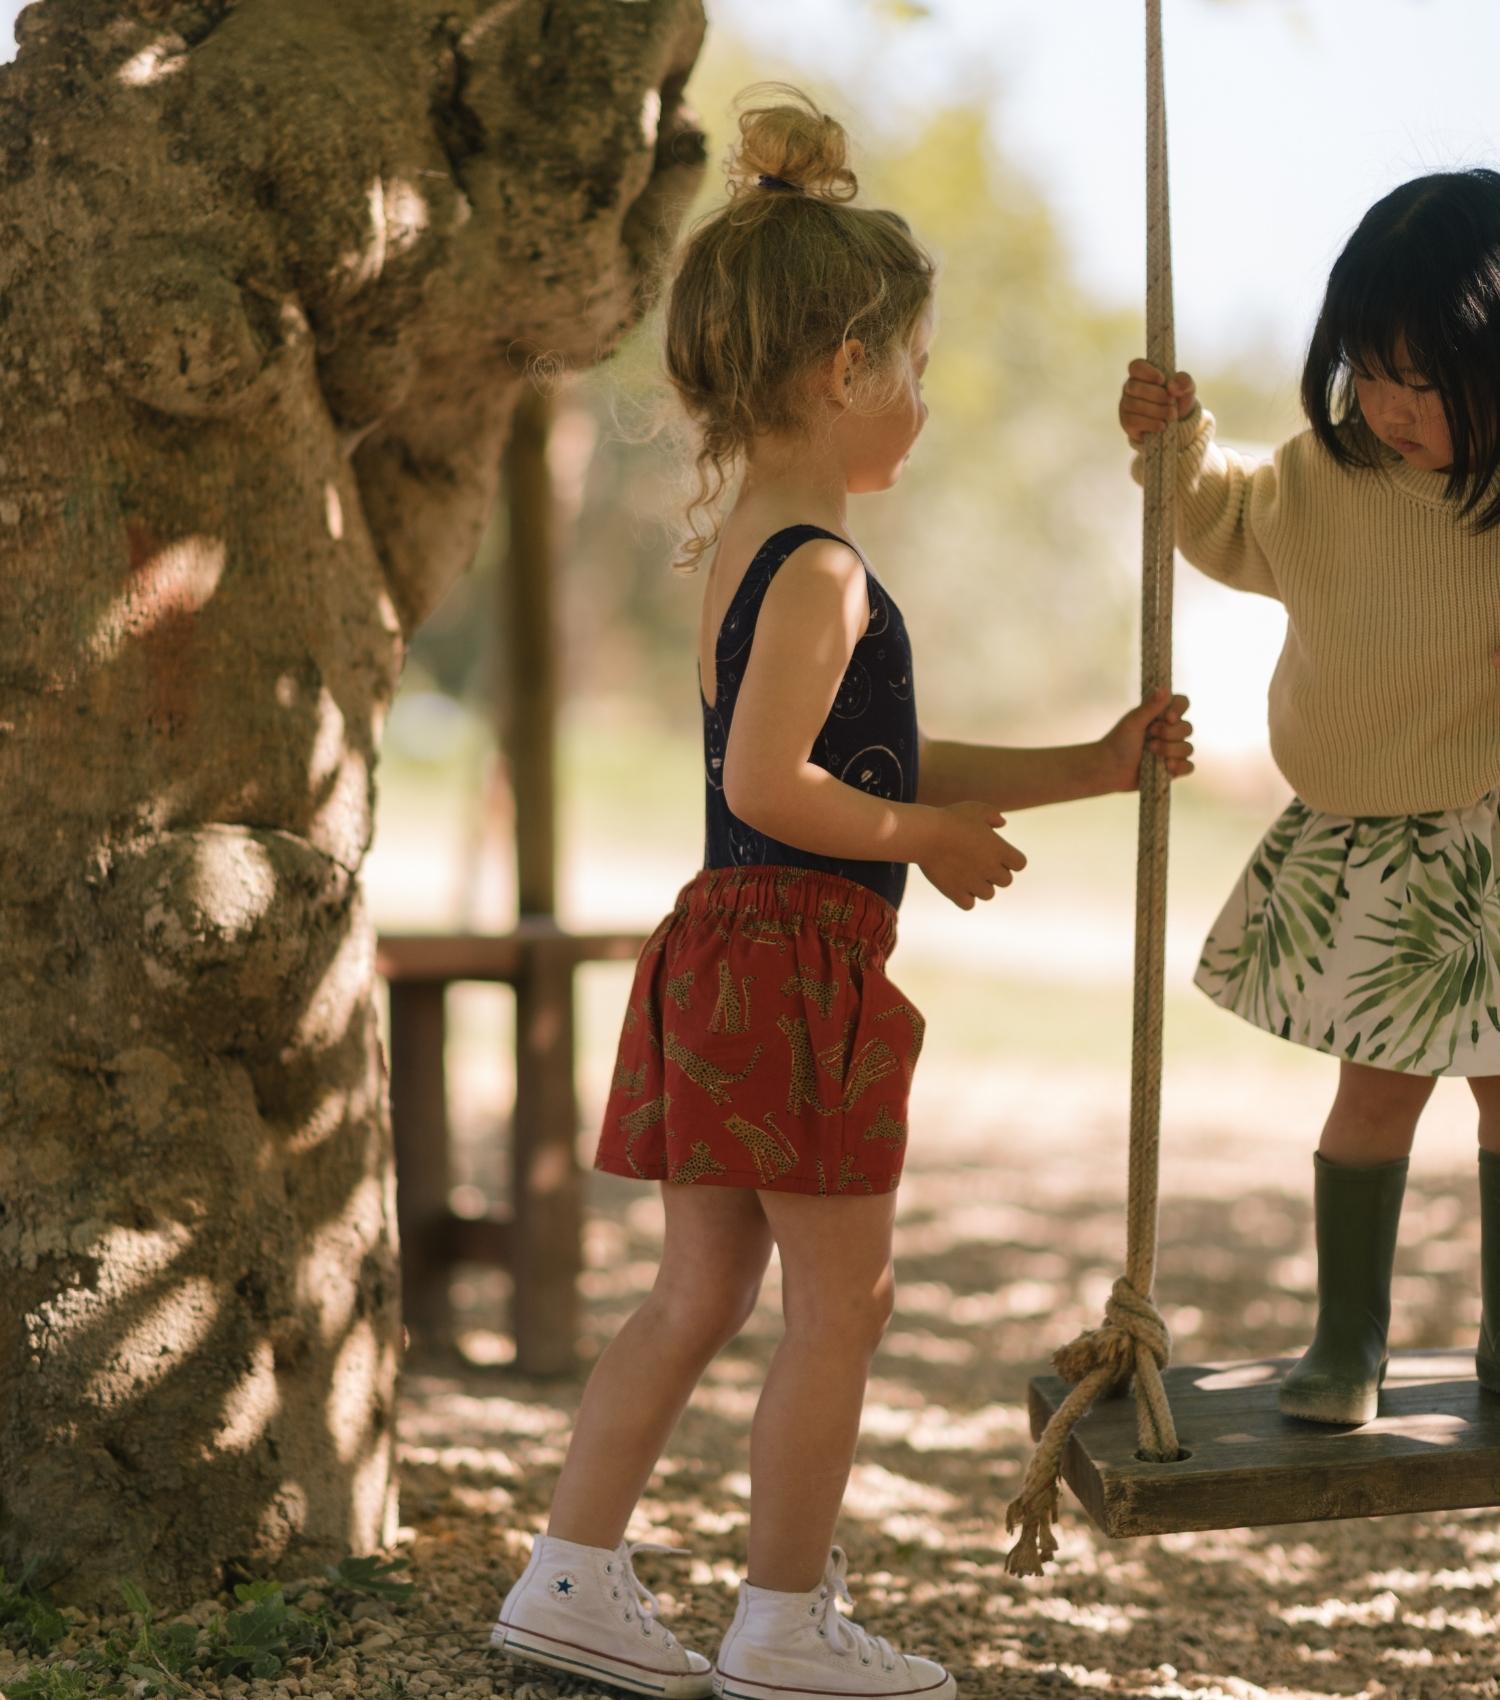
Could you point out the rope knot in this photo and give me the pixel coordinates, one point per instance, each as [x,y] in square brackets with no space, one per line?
[1131,1321]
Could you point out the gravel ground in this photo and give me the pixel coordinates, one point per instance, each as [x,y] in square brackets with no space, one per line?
[1009,1234]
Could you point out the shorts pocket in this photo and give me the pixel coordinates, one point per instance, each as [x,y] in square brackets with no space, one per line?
[887,1038]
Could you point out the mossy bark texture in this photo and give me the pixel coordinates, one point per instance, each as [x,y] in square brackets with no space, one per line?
[271,272]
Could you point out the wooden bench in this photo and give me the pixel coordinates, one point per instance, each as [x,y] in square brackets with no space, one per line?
[539,1241]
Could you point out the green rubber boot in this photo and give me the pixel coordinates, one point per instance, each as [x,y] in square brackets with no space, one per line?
[1357,1210]
[1487,1358]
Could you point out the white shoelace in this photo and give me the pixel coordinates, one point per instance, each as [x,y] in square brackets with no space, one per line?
[842,1633]
[642,1598]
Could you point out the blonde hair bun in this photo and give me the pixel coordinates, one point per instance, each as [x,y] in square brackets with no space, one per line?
[783,136]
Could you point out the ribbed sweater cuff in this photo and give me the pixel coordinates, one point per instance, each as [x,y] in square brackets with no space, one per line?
[1195,435]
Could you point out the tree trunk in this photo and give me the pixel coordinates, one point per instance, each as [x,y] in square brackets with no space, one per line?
[270,274]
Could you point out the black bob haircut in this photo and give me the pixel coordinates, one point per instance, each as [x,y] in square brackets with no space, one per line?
[1423,265]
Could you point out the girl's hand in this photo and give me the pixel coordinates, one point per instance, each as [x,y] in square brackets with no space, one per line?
[1157,725]
[971,858]
[1147,401]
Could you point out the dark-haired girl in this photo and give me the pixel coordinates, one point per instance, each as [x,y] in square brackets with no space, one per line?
[1367,924]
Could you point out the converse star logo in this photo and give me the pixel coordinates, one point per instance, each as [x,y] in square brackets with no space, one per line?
[564,1587]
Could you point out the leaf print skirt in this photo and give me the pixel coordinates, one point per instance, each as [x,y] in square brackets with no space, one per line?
[1373,938]
[763,1045]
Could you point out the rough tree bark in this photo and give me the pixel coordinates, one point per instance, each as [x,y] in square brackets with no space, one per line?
[270,274]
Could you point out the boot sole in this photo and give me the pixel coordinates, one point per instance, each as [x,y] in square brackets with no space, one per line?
[736,1688]
[1338,1410]
[1487,1374]
[587,1661]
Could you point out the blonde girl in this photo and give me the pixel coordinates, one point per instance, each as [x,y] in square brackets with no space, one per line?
[766,1057]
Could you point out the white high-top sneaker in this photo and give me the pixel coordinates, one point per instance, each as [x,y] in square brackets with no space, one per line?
[801,1647]
[584,1609]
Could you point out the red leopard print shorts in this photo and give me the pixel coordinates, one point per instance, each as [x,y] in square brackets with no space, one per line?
[763,1044]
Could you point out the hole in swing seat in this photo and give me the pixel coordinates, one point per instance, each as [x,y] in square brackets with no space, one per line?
[1183,1454]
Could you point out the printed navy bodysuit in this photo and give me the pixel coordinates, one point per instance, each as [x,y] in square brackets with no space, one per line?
[869,739]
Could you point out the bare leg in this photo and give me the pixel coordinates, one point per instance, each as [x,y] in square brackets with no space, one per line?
[1486,1090]
[1374,1116]
[838,1290]
[715,1253]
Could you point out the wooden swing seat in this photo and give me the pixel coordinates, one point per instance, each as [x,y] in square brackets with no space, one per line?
[1434,1446]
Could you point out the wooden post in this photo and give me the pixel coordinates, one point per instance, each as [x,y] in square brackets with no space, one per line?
[419,1123]
[529,636]
[546,1185]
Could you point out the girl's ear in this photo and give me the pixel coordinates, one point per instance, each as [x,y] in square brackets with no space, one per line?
[842,371]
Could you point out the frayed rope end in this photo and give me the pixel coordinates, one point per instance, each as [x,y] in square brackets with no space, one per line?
[1035,1513]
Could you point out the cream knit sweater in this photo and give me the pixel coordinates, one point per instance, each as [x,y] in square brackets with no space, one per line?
[1384,701]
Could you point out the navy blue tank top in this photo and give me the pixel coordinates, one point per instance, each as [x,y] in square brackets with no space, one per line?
[869,739]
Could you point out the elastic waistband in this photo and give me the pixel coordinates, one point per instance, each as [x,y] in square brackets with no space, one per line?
[765,896]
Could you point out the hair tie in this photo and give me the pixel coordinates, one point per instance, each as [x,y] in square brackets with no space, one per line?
[769,182]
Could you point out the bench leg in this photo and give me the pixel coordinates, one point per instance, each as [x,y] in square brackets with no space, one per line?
[547,1229]
[419,1122]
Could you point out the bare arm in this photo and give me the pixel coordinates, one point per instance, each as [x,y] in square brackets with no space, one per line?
[813,615]
[1024,779]
[1011,779]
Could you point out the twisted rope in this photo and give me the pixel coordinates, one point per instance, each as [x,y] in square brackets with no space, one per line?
[1134,1340]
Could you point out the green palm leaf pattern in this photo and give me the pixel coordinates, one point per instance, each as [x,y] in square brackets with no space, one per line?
[1437,982]
[1287,899]
[1375,939]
